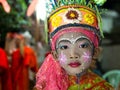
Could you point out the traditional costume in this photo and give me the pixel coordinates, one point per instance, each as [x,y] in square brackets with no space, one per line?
[22,61]
[75,32]
[5,78]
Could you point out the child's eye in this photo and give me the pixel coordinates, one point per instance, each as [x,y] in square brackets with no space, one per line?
[84,45]
[63,47]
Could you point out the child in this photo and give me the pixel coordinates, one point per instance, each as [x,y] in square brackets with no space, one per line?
[75,36]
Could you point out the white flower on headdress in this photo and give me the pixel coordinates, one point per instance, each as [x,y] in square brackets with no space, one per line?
[72,16]
[100,2]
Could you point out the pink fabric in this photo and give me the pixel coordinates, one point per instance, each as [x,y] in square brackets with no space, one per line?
[90,34]
[51,76]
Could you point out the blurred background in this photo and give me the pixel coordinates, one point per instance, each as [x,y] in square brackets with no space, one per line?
[20,21]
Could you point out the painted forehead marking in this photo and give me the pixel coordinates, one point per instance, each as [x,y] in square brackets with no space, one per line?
[72,40]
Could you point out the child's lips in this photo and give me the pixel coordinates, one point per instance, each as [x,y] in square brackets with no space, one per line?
[74,64]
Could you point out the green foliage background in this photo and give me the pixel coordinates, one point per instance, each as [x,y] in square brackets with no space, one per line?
[13,21]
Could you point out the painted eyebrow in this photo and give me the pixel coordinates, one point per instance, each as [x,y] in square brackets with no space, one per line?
[81,39]
[72,41]
[84,38]
[64,40]
[89,42]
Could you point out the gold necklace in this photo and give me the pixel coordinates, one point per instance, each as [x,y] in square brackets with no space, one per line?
[74,87]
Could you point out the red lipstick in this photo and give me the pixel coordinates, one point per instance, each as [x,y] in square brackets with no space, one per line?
[74,64]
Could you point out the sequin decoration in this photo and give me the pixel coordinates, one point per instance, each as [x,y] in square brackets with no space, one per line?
[89,19]
[74,87]
[56,21]
[89,81]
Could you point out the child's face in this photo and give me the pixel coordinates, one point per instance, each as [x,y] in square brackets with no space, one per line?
[74,52]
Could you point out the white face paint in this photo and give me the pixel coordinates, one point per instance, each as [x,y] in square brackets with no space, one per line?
[71,40]
[74,52]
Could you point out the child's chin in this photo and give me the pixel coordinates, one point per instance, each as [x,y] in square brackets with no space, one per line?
[74,72]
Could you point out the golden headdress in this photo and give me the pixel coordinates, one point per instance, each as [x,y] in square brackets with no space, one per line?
[74,13]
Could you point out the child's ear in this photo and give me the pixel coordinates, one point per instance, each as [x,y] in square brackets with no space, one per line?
[97,52]
[54,53]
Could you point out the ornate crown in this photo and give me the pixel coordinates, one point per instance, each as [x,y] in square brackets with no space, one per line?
[75,13]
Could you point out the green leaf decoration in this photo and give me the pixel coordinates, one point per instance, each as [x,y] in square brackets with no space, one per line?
[99,21]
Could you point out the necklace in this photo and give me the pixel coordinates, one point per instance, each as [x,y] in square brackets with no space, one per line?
[74,87]
[77,85]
